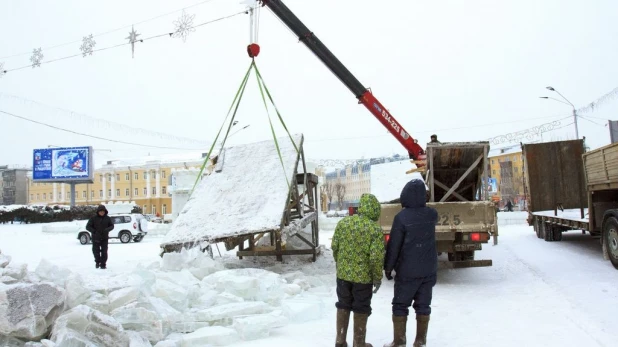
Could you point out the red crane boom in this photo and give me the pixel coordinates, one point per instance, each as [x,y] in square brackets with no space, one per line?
[364,95]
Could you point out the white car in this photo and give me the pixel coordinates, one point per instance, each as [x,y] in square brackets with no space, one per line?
[127,227]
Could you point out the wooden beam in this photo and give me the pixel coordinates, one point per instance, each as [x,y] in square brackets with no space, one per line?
[485,172]
[456,185]
[432,189]
[418,169]
[443,186]
[277,253]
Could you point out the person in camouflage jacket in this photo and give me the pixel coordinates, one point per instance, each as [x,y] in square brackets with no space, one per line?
[358,249]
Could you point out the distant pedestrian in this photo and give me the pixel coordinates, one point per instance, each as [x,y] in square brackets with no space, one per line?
[434,139]
[509,206]
[358,249]
[99,227]
[411,252]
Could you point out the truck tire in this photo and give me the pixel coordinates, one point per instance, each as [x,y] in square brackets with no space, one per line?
[546,232]
[610,237]
[556,233]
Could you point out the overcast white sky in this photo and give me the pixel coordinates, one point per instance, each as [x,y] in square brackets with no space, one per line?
[437,65]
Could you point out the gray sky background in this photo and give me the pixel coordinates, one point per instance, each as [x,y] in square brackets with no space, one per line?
[467,70]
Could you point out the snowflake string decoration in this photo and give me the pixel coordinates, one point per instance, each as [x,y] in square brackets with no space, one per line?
[37,57]
[184,26]
[132,39]
[87,46]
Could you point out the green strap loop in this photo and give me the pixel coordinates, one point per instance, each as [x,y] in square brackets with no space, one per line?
[275,106]
[272,129]
[237,98]
[235,104]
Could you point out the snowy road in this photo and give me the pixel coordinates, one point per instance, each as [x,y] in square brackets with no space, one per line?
[536,294]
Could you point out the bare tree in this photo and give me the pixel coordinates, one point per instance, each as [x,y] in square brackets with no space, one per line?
[340,192]
[328,188]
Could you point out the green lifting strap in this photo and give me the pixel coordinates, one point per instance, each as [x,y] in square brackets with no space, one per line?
[235,104]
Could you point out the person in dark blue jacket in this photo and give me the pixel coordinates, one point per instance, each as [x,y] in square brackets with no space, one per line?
[411,253]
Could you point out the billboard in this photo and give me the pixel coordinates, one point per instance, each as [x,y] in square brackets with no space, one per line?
[69,164]
[492,186]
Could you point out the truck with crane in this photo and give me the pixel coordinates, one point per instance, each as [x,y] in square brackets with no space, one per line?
[456,173]
[570,189]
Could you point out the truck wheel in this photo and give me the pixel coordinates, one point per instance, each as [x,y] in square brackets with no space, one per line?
[84,239]
[556,234]
[125,237]
[546,232]
[610,234]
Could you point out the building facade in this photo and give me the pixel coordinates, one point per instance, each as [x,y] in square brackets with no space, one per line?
[14,186]
[356,180]
[146,182]
[507,167]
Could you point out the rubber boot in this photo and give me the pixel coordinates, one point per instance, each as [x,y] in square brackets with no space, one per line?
[360,330]
[422,323]
[399,332]
[343,320]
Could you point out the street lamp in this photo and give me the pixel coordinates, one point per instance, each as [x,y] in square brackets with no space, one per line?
[567,103]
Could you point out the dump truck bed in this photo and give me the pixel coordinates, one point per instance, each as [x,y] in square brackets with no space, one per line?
[455,171]
[554,175]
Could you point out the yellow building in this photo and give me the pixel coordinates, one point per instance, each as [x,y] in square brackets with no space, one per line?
[145,181]
[507,167]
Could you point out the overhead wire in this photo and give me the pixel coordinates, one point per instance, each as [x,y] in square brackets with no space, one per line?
[123,126]
[438,130]
[92,136]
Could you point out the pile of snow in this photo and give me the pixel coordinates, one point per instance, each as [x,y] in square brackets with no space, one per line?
[8,208]
[185,299]
[64,227]
[512,218]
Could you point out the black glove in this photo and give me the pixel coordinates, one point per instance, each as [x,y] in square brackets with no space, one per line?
[376,286]
[388,275]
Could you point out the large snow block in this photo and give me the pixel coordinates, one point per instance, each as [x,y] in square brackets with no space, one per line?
[224,314]
[258,326]
[28,310]
[83,326]
[246,194]
[215,336]
[4,260]
[249,284]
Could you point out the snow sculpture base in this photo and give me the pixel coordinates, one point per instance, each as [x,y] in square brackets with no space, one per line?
[251,202]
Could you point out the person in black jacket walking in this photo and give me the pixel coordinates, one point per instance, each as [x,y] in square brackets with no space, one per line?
[411,252]
[99,227]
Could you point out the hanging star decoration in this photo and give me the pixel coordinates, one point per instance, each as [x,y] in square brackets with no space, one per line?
[183,26]
[132,39]
[37,57]
[87,46]
[2,70]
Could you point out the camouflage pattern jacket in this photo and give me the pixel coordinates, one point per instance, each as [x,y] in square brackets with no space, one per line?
[358,246]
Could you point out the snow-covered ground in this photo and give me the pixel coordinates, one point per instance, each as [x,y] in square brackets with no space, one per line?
[536,293]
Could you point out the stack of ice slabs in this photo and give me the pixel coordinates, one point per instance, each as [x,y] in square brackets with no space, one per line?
[246,194]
